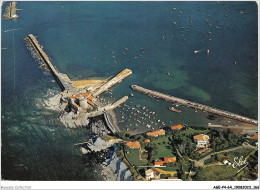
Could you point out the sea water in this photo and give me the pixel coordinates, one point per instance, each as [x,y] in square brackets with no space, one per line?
[99,39]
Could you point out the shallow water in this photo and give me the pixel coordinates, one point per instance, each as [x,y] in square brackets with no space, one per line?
[82,37]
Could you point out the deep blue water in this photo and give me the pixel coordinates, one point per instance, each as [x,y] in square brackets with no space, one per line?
[82,37]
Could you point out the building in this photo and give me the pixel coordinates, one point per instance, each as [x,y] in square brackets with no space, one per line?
[169,159]
[255,137]
[176,127]
[156,133]
[225,161]
[152,174]
[158,163]
[165,160]
[81,101]
[149,174]
[133,145]
[201,140]
[147,140]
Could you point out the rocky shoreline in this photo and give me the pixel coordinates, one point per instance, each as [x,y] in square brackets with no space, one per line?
[71,120]
[113,169]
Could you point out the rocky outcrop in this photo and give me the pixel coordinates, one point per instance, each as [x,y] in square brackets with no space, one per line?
[72,120]
[114,169]
[54,103]
[98,127]
[99,144]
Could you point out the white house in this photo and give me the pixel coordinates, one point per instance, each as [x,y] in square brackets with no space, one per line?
[149,174]
[201,140]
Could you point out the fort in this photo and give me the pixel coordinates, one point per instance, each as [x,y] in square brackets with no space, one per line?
[83,103]
[195,105]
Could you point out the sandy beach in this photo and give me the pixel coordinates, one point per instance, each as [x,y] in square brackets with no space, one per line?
[87,83]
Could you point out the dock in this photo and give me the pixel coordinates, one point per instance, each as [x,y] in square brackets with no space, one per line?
[195,105]
[110,118]
[64,81]
[117,79]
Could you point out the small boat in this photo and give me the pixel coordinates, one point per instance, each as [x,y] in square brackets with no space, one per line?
[169,74]
[208,51]
[174,109]
[132,94]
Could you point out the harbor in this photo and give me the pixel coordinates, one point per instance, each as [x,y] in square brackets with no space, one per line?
[81,103]
[195,105]
[72,83]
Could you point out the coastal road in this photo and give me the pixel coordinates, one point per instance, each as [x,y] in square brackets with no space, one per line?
[201,162]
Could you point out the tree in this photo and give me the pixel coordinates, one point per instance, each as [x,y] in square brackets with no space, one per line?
[182,175]
[165,176]
[171,164]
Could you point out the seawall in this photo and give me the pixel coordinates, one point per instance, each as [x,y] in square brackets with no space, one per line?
[194,105]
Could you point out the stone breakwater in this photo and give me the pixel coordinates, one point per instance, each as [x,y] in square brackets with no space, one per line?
[195,105]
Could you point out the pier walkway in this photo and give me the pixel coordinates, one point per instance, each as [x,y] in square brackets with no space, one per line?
[194,105]
[110,122]
[118,78]
[63,79]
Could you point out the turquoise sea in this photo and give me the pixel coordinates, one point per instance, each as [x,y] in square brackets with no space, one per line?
[99,39]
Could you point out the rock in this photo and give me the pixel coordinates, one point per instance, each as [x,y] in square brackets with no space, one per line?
[53,103]
[72,121]
[114,169]
[99,128]
[83,150]
[99,145]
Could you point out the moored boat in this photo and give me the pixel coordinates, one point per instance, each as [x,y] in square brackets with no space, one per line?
[174,109]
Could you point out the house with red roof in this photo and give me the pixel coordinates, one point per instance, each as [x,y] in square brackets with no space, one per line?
[133,145]
[176,127]
[156,133]
[201,140]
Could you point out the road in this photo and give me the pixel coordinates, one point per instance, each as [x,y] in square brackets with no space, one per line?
[201,162]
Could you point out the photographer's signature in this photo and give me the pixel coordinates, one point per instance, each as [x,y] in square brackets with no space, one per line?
[239,162]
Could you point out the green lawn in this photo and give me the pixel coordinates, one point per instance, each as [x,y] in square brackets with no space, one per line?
[230,156]
[171,169]
[164,147]
[185,168]
[216,173]
[133,157]
[238,153]
[164,151]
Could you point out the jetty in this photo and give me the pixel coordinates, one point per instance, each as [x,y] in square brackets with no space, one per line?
[62,79]
[10,12]
[118,78]
[84,103]
[195,105]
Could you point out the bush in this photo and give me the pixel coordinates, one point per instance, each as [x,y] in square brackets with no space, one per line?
[171,164]
[165,176]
